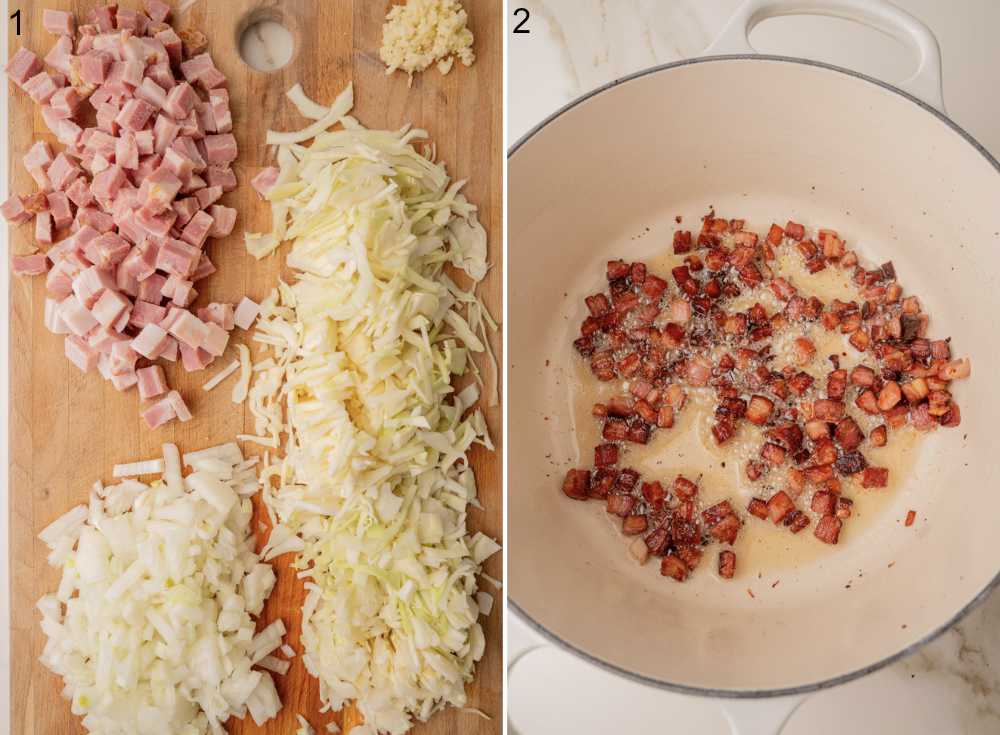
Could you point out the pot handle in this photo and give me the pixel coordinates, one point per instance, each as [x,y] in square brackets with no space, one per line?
[925,83]
[760,716]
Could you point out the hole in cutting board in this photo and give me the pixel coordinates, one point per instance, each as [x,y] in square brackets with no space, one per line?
[265,44]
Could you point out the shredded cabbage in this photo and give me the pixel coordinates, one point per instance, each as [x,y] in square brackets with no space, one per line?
[151,627]
[373,485]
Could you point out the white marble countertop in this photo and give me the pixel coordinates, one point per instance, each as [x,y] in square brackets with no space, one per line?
[951,686]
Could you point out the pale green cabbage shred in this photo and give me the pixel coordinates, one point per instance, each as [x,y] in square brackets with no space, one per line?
[372,490]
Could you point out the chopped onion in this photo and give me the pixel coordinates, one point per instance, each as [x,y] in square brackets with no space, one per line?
[221,375]
[374,484]
[152,621]
[133,469]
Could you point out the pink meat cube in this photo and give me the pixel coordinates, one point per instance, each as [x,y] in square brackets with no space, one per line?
[107,250]
[156,225]
[61,172]
[216,341]
[140,263]
[206,118]
[58,22]
[157,10]
[190,148]
[109,307]
[185,209]
[38,156]
[76,316]
[60,56]
[246,312]
[177,403]
[221,176]
[158,414]
[194,359]
[173,312]
[151,92]
[62,214]
[180,101]
[219,101]
[107,183]
[150,341]
[184,294]
[65,102]
[144,142]
[59,282]
[191,126]
[178,164]
[162,74]
[144,312]
[94,218]
[151,289]
[171,352]
[220,314]
[103,339]
[52,321]
[196,231]
[126,282]
[80,353]
[177,258]
[165,132]
[14,211]
[94,67]
[208,196]
[70,135]
[90,283]
[189,329]
[29,265]
[122,358]
[194,184]
[135,114]
[220,149]
[124,381]
[196,67]
[152,382]
[79,192]
[265,180]
[147,165]
[158,190]
[104,17]
[43,227]
[131,20]
[107,115]
[41,87]
[223,220]
[127,151]
[23,66]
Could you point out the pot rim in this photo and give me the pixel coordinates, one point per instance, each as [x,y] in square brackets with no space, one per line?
[811,686]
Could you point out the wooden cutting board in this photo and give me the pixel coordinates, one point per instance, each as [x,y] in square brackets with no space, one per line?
[68,429]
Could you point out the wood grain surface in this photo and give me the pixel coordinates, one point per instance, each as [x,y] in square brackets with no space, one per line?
[67,429]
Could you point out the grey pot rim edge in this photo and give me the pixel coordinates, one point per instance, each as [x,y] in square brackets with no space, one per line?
[812,686]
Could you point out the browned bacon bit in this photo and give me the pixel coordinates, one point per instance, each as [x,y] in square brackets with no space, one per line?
[671,566]
[796,521]
[605,455]
[875,477]
[684,488]
[577,484]
[727,564]
[818,473]
[775,235]
[758,508]
[627,480]
[755,470]
[617,269]
[827,410]
[723,430]
[889,396]
[896,418]
[800,382]
[828,529]
[682,241]
[634,524]
[956,369]
[848,434]
[878,436]
[850,463]
[824,451]
[817,429]
[665,417]
[599,410]
[621,505]
[788,434]
[795,231]
[867,402]
[836,385]
[911,516]
[844,506]
[602,482]
[803,350]
[773,453]
[824,502]
[782,289]
[779,506]
[658,540]
[615,430]
[598,304]
[638,433]
[759,410]
[654,494]
[690,555]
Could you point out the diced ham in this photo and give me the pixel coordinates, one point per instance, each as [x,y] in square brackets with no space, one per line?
[14,211]
[158,225]
[80,353]
[151,289]
[144,312]
[135,114]
[58,22]
[131,20]
[94,218]
[172,44]
[204,269]
[171,352]
[140,263]
[62,172]
[216,340]
[65,102]
[124,381]
[189,329]
[62,214]
[43,227]
[158,190]
[264,181]
[220,149]
[208,196]
[52,321]
[109,307]
[59,282]
[38,156]
[246,312]
[41,87]
[196,231]
[221,176]
[194,359]
[158,414]
[79,192]
[150,341]
[178,164]
[29,265]
[223,220]
[162,74]
[107,183]
[185,209]
[177,258]
[180,408]
[144,142]
[222,116]
[184,293]
[180,101]
[221,314]
[76,316]
[94,67]
[152,382]
[23,66]
[90,283]
[60,55]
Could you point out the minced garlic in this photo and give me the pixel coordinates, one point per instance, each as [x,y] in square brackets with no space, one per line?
[423,32]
